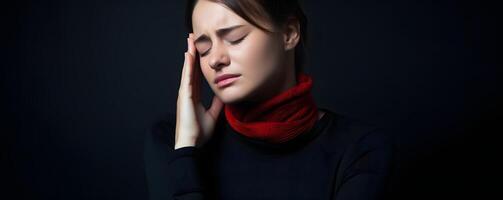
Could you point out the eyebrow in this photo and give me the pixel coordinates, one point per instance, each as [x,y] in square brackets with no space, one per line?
[220,33]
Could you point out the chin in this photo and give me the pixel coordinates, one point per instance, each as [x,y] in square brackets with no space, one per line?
[230,98]
[231,95]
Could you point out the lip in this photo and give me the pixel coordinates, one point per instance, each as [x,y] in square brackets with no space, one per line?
[225,76]
[226,79]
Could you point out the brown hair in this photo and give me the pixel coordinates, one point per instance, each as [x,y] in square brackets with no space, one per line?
[275,11]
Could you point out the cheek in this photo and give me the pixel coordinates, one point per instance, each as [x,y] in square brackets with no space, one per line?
[206,70]
[257,56]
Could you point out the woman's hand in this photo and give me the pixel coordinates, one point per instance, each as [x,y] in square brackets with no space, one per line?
[194,124]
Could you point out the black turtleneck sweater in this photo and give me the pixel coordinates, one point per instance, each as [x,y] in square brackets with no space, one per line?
[340,158]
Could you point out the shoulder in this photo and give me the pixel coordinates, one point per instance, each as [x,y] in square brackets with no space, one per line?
[364,148]
[366,163]
[351,135]
[372,151]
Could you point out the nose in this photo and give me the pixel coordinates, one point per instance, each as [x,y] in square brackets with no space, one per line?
[218,57]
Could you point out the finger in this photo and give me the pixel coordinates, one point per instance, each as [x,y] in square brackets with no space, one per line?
[192,77]
[194,69]
[216,107]
[181,90]
[192,47]
[185,59]
[182,76]
[186,72]
[190,59]
[195,64]
[184,79]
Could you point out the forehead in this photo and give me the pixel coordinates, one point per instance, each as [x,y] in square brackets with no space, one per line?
[209,16]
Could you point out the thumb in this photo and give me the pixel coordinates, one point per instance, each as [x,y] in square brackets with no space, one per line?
[216,107]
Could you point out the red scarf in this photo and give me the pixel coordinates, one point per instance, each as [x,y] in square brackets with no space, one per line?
[279,119]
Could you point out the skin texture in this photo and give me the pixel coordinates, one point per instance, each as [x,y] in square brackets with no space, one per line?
[264,61]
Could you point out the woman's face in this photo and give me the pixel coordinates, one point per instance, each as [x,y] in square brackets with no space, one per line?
[228,44]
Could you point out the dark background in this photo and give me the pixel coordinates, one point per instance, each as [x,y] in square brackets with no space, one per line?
[82,81]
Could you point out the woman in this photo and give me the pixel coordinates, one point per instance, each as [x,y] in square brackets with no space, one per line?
[272,141]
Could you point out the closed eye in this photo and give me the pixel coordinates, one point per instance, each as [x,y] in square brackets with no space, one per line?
[238,41]
[235,42]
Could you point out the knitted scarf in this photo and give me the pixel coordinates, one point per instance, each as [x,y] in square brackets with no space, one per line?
[280,118]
